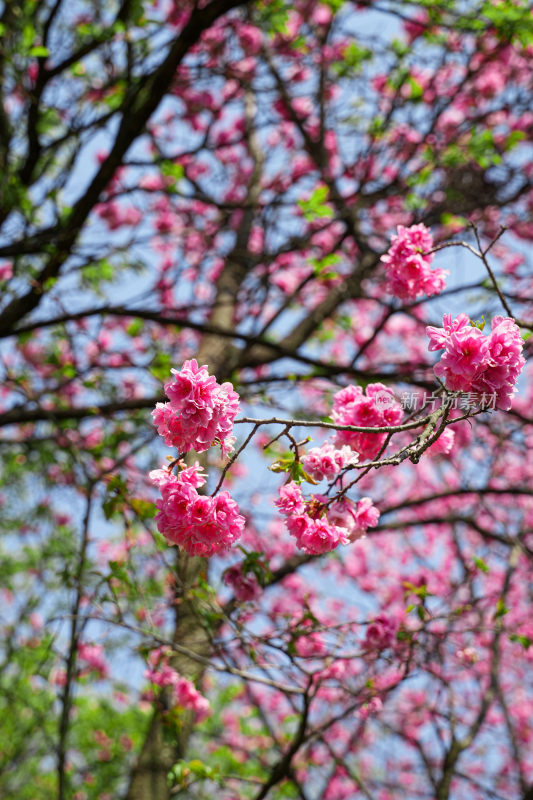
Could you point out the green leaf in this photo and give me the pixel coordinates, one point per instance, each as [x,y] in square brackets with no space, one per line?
[513,139]
[49,284]
[453,219]
[479,324]
[480,564]
[28,36]
[297,472]
[320,265]
[413,202]
[135,327]
[400,48]
[511,20]
[39,51]
[143,508]
[48,121]
[416,89]
[314,207]
[95,274]
[403,636]
[335,5]
[160,541]
[274,16]
[115,96]
[69,371]
[376,127]
[353,58]
[453,156]
[120,572]
[501,609]
[172,170]
[525,641]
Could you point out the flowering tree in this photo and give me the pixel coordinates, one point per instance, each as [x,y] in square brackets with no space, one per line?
[266,408]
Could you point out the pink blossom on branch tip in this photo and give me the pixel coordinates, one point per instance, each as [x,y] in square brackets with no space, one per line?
[375,409]
[201,524]
[320,526]
[326,462]
[408,264]
[184,693]
[245,585]
[472,362]
[200,411]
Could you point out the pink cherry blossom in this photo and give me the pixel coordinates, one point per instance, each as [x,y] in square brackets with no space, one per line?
[200,411]
[444,443]
[315,536]
[381,633]
[408,264]
[245,586]
[200,524]
[6,271]
[290,499]
[356,519]
[326,462]
[377,408]
[473,362]
[185,694]
[374,706]
[319,525]
[93,656]
[366,515]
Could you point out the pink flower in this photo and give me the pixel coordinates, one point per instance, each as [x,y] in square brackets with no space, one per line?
[366,515]
[473,362]
[408,266]
[381,633]
[319,527]
[250,38]
[315,536]
[356,519]
[6,271]
[187,696]
[200,524]
[439,336]
[200,411]
[184,692]
[416,26]
[377,409]
[245,586]
[464,359]
[326,462]
[374,706]
[444,443]
[116,215]
[290,499]
[93,656]
[506,361]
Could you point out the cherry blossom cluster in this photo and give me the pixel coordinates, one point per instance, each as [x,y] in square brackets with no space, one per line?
[319,525]
[244,584]
[326,462]
[202,525]
[184,692]
[381,633]
[408,264]
[378,408]
[200,412]
[92,656]
[473,362]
